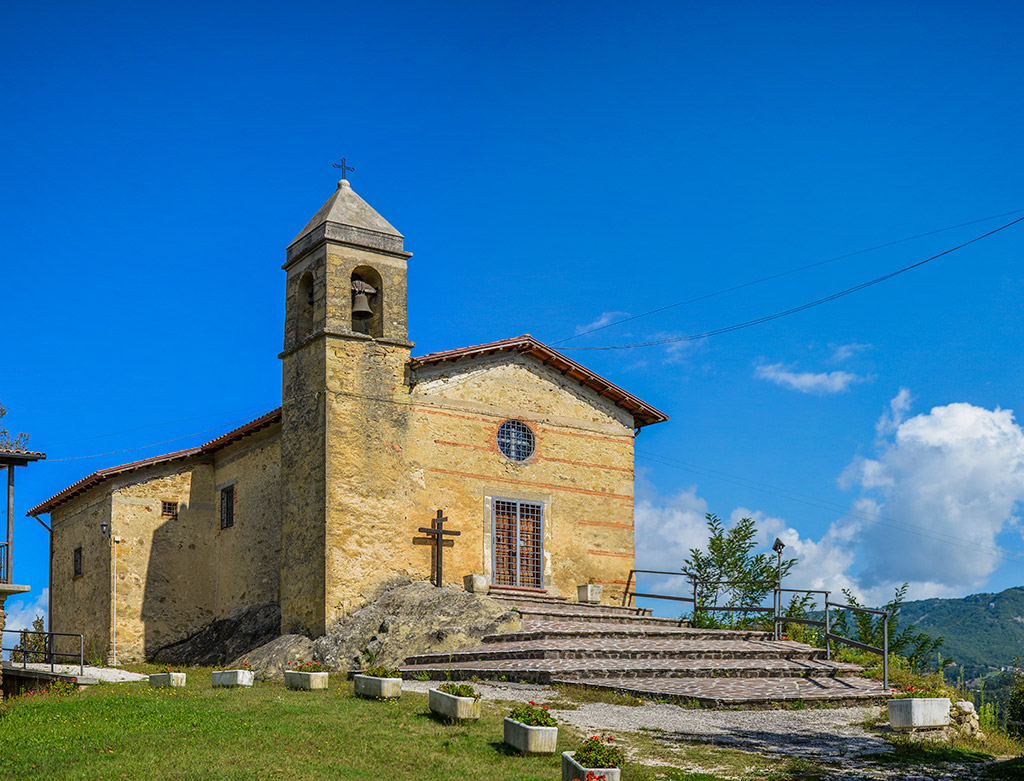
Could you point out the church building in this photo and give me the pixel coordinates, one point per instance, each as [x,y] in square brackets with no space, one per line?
[304,511]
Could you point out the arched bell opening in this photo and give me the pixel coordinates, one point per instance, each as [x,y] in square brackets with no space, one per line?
[367,302]
[304,306]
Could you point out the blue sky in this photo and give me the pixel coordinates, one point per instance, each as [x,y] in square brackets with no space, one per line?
[551,168]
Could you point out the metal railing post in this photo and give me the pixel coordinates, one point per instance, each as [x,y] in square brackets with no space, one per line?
[885,651]
[81,655]
[828,631]
[693,580]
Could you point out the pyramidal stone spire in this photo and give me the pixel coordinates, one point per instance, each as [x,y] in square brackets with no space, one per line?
[349,219]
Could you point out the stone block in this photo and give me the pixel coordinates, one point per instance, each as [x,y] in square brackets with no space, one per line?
[588,592]
[919,713]
[377,688]
[308,681]
[224,678]
[452,707]
[574,771]
[530,740]
[167,680]
[476,584]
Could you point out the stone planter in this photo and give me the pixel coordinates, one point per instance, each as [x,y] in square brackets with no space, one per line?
[574,771]
[377,688]
[588,592]
[530,740]
[919,713]
[167,680]
[476,584]
[220,678]
[455,708]
[294,679]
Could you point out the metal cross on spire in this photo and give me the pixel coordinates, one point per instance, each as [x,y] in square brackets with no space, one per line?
[344,168]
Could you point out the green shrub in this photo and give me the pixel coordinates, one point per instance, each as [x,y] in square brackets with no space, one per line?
[380,671]
[459,690]
[598,752]
[533,716]
[309,667]
[1015,709]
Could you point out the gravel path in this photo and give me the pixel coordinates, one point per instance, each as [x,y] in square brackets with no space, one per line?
[107,674]
[825,734]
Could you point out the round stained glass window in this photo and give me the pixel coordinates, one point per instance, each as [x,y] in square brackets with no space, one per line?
[515,440]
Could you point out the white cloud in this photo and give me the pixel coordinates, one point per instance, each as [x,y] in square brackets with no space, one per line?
[601,322]
[843,352]
[22,611]
[666,530]
[891,419]
[808,382]
[946,485]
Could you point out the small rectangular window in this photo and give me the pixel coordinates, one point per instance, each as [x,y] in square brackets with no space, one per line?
[169,510]
[227,507]
[78,562]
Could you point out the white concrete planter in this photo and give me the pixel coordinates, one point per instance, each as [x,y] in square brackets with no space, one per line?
[476,584]
[588,592]
[530,740]
[919,713]
[456,708]
[219,678]
[574,771]
[377,688]
[294,679]
[167,680]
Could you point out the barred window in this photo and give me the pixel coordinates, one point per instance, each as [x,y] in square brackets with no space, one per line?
[77,563]
[515,440]
[169,510]
[227,507]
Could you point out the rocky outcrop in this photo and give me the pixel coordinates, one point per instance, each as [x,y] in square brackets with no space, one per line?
[270,660]
[407,618]
[225,639]
[963,719]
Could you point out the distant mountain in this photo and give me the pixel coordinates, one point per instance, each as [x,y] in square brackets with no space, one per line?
[982,632]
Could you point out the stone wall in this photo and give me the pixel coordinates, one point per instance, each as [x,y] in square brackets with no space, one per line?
[173,575]
[82,604]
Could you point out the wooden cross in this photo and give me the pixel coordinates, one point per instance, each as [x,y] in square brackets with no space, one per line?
[438,532]
[343,168]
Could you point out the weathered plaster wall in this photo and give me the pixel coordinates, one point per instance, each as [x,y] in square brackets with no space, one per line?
[582,469]
[82,604]
[246,558]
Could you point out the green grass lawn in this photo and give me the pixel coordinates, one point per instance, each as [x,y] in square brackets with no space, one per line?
[269,731]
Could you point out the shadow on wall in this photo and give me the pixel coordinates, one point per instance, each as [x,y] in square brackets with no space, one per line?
[177,600]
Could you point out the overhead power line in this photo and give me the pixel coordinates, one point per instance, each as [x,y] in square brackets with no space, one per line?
[786,273]
[802,307]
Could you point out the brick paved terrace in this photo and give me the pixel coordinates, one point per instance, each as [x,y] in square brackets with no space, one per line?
[629,650]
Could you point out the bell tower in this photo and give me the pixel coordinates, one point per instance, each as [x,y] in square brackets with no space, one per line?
[344,399]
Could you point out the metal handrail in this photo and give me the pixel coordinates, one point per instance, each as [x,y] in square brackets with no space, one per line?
[3,563]
[627,595]
[49,644]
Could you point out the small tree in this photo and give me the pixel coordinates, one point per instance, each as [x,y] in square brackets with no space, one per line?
[730,557]
[32,647]
[9,441]
[920,649]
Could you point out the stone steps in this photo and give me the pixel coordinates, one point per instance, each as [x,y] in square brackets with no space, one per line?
[599,647]
[741,692]
[546,670]
[569,630]
[622,649]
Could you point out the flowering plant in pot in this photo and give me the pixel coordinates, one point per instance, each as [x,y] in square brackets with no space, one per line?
[531,729]
[379,683]
[306,675]
[172,678]
[595,758]
[455,701]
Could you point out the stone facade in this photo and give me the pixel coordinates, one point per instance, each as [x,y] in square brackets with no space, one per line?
[331,490]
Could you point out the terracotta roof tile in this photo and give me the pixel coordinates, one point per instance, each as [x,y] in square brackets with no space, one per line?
[643,413]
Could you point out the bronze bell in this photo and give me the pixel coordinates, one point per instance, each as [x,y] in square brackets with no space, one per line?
[361,307]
